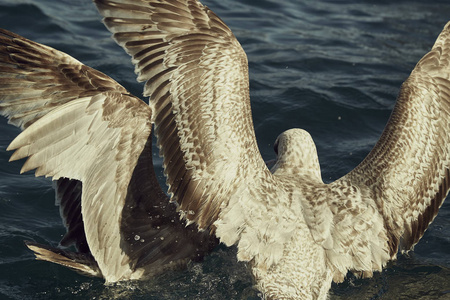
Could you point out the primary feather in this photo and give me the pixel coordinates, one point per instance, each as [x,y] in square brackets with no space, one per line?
[297,233]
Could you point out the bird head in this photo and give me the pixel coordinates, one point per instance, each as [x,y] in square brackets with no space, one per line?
[296,154]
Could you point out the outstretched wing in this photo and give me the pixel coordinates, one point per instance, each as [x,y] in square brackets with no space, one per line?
[35,79]
[84,130]
[408,170]
[196,76]
[155,238]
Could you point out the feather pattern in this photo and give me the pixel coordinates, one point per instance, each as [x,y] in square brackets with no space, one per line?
[85,131]
[196,77]
[36,79]
[297,233]
[408,171]
[92,145]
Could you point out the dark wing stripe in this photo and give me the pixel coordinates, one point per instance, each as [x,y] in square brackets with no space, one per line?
[174,9]
[419,226]
[161,91]
[164,110]
[177,168]
[161,77]
[41,86]
[160,46]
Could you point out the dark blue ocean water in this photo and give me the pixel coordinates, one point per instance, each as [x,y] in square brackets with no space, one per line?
[331,67]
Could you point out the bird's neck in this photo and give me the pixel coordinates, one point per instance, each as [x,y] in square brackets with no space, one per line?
[306,169]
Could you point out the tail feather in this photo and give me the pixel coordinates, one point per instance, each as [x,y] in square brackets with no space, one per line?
[80,262]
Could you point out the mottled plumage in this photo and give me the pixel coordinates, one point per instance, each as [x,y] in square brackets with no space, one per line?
[297,233]
[84,130]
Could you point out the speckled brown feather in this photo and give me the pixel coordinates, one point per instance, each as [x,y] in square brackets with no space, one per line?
[197,80]
[154,235]
[48,78]
[408,169]
[83,129]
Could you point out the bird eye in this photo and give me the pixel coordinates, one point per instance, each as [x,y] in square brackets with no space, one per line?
[275,147]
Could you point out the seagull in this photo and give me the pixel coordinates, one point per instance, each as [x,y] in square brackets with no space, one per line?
[296,233]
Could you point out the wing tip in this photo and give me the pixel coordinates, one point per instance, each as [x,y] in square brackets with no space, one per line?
[82,263]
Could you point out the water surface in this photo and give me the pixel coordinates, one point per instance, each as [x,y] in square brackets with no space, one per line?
[333,68]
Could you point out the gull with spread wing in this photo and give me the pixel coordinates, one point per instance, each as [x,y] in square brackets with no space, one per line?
[297,233]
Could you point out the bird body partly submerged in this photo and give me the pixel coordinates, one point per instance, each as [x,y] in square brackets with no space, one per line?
[297,233]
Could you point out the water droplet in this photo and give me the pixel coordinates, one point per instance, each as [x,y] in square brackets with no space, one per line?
[137,237]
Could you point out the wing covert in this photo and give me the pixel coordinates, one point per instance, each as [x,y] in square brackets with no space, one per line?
[408,170]
[97,141]
[78,124]
[196,76]
[83,129]
[35,79]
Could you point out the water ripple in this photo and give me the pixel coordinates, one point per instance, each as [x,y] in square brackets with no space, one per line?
[333,68]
